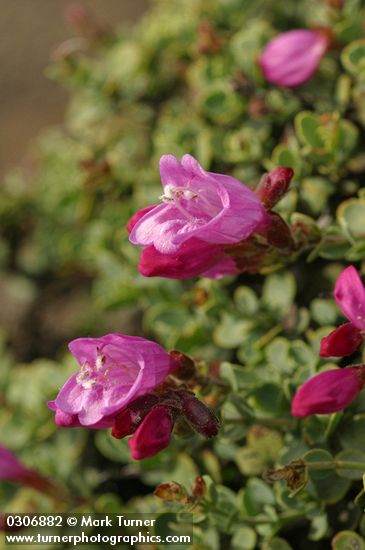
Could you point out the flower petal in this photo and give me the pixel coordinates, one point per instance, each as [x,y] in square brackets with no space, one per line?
[291,58]
[350,296]
[138,216]
[172,171]
[328,392]
[158,227]
[153,434]
[193,258]
[342,341]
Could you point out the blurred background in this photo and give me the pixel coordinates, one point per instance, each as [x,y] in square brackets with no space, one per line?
[30,31]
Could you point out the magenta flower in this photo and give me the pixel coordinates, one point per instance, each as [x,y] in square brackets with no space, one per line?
[328,392]
[115,369]
[212,208]
[208,223]
[350,297]
[293,57]
[153,434]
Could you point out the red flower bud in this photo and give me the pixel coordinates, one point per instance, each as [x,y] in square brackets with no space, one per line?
[278,233]
[127,421]
[123,424]
[181,365]
[201,418]
[342,341]
[274,185]
[153,434]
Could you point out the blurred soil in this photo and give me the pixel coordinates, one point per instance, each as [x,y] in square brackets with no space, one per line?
[30,30]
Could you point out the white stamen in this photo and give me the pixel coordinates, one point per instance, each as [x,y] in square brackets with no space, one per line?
[172,193]
[85,377]
[100,360]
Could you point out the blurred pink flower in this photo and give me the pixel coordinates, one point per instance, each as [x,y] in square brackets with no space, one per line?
[212,208]
[350,297]
[328,392]
[292,58]
[11,469]
[115,369]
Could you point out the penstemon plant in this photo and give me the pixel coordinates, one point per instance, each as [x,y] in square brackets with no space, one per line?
[227,383]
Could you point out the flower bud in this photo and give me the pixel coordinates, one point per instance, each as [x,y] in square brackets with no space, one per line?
[342,341]
[202,419]
[292,58]
[181,366]
[328,392]
[153,434]
[127,421]
[274,185]
[124,424]
[278,233]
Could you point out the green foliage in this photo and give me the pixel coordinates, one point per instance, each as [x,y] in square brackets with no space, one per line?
[186,80]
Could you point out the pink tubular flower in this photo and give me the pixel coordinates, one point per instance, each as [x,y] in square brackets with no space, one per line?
[115,370]
[153,434]
[350,297]
[212,208]
[328,392]
[293,57]
[208,223]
